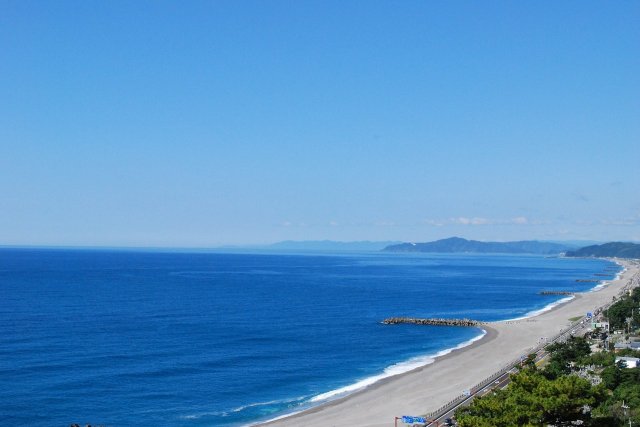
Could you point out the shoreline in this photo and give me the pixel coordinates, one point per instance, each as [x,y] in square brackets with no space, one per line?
[330,396]
[427,387]
[489,335]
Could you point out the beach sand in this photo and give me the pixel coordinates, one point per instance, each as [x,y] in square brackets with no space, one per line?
[427,388]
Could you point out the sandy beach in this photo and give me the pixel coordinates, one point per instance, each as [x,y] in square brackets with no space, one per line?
[427,388]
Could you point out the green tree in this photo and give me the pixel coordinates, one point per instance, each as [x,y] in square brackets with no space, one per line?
[562,355]
[611,376]
[601,358]
[625,308]
[566,400]
[531,399]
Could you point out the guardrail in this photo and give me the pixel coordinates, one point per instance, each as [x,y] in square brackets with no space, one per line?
[562,336]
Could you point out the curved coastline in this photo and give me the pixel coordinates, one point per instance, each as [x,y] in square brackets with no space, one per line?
[438,378]
[603,283]
[487,334]
[335,397]
[396,369]
[544,309]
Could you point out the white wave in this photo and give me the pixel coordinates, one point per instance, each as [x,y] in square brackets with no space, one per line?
[396,369]
[271,402]
[620,273]
[240,408]
[604,283]
[542,310]
[622,270]
[204,414]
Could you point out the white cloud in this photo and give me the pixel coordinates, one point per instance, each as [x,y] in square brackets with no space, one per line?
[384,223]
[624,221]
[472,221]
[520,220]
[292,224]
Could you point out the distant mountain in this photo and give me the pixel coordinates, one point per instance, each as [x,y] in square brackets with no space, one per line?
[329,245]
[459,245]
[576,244]
[613,250]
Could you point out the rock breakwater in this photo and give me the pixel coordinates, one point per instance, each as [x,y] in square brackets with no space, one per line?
[556,293]
[431,322]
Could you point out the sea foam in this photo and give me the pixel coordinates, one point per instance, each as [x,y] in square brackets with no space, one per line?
[396,369]
[544,309]
[390,371]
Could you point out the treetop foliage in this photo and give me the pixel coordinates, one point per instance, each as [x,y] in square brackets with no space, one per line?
[556,396]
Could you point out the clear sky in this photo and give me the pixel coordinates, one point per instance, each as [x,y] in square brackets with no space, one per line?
[199,123]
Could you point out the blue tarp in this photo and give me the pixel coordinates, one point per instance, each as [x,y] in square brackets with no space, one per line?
[407,419]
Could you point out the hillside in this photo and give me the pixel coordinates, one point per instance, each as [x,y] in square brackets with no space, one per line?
[459,245]
[612,249]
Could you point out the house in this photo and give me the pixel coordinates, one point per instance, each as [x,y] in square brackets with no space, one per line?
[621,345]
[630,362]
[600,325]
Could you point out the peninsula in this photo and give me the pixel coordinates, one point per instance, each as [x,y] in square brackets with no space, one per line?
[460,245]
[611,250]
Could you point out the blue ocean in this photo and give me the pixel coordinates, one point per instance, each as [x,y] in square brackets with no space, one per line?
[119,338]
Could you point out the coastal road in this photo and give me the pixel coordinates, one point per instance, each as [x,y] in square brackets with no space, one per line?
[578,328]
[499,383]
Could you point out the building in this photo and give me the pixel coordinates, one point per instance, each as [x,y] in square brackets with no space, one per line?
[630,362]
[601,325]
[621,345]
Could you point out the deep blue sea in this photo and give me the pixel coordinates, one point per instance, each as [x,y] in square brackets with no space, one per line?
[120,338]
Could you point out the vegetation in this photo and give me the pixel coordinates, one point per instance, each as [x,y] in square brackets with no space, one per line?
[563,356]
[533,400]
[625,308]
[459,245]
[613,249]
[623,388]
[574,388]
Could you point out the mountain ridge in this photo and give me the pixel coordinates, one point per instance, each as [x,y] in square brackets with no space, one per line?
[460,245]
[611,249]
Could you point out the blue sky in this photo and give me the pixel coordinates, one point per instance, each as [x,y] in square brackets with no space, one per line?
[155,123]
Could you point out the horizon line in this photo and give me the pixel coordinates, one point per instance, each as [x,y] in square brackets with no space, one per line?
[241,246]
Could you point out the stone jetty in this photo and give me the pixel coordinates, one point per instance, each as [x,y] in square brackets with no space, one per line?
[556,293]
[431,322]
[587,280]
[602,274]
